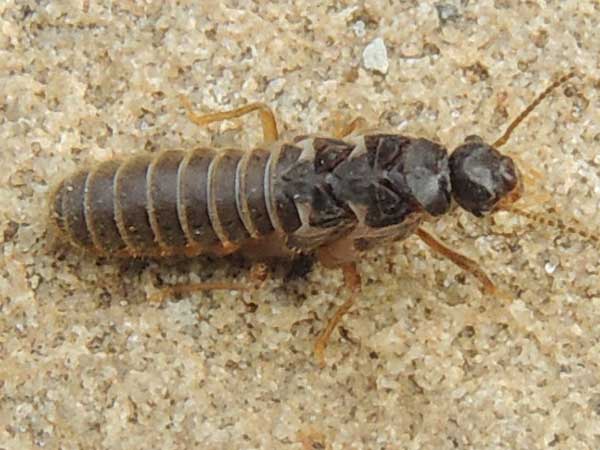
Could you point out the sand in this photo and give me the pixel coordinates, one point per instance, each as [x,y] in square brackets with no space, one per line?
[424,360]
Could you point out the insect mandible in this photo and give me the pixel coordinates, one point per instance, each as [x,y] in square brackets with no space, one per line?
[331,197]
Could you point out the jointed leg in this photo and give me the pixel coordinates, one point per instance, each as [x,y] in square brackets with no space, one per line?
[179,289]
[353,283]
[269,124]
[258,274]
[468,265]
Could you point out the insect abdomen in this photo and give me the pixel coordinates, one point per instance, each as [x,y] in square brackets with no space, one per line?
[173,203]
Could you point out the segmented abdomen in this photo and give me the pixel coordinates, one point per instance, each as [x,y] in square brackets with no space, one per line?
[173,203]
[299,196]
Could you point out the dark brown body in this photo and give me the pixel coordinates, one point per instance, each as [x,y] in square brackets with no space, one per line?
[277,202]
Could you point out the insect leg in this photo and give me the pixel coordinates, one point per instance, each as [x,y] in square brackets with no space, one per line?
[269,124]
[353,283]
[258,275]
[179,289]
[356,124]
[466,264]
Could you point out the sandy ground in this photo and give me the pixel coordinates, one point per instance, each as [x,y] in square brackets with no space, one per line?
[424,361]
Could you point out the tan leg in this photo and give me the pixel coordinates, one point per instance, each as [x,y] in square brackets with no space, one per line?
[179,289]
[353,283]
[466,264]
[269,124]
[258,275]
[338,253]
[359,122]
[225,249]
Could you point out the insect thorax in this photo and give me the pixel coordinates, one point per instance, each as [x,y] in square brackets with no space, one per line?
[377,184]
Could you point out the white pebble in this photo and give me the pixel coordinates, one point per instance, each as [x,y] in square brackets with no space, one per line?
[359,28]
[375,56]
[550,267]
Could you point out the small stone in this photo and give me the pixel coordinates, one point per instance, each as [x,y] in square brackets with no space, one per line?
[446,12]
[359,28]
[375,56]
[550,267]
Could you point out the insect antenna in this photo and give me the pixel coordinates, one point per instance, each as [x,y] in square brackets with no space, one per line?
[541,218]
[515,123]
[556,223]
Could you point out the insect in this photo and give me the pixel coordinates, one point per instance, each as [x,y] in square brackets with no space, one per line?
[333,197]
